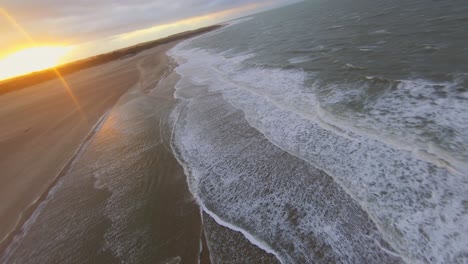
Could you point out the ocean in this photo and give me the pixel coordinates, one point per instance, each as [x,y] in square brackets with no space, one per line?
[332,131]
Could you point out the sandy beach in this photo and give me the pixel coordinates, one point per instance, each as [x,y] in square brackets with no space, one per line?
[42,130]
[46,136]
[59,168]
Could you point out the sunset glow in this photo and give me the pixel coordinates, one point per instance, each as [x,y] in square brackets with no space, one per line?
[31,59]
[189,23]
[39,57]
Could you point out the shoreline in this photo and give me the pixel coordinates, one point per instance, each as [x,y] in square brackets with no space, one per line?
[150,77]
[255,242]
[249,237]
[82,83]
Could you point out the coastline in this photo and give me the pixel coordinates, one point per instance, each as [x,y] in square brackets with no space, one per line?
[169,208]
[111,87]
[226,240]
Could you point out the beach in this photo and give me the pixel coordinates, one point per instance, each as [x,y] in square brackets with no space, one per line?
[99,183]
[42,129]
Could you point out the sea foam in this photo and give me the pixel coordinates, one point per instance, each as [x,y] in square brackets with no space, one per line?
[419,206]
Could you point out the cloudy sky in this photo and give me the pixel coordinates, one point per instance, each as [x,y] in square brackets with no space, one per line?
[72,22]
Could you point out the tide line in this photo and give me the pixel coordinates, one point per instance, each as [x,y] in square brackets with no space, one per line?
[251,238]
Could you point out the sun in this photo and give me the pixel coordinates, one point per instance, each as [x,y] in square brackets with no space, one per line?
[31,59]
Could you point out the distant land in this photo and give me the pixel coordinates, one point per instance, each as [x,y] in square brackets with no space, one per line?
[16,83]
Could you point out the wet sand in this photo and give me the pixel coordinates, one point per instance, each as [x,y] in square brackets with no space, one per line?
[42,129]
[43,126]
[124,198]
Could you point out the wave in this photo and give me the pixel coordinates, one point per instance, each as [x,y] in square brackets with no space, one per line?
[401,123]
[251,185]
[255,241]
[417,204]
[298,60]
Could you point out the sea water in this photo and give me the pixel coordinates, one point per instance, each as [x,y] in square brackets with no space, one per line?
[332,131]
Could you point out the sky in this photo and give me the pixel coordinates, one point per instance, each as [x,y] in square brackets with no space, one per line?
[82,28]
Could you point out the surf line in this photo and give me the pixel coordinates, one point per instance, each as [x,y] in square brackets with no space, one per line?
[253,240]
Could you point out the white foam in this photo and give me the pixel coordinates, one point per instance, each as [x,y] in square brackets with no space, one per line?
[255,241]
[224,172]
[380,32]
[238,21]
[400,188]
[285,89]
[298,60]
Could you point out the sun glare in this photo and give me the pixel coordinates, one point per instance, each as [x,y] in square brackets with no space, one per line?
[31,60]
